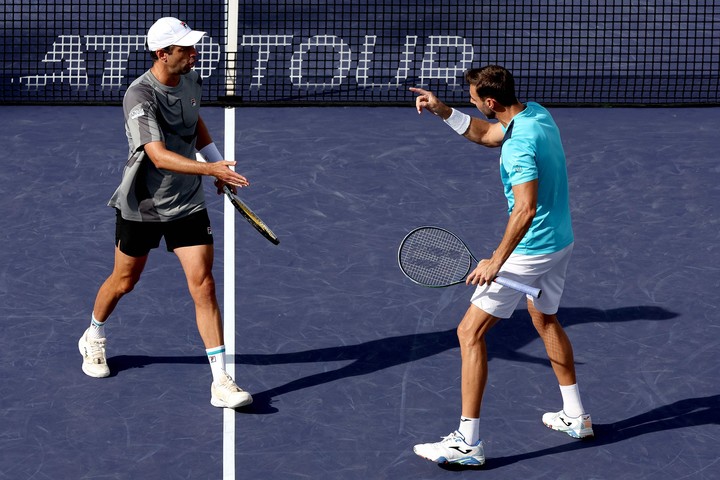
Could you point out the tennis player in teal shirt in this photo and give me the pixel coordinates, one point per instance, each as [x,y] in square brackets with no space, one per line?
[532,149]
[535,250]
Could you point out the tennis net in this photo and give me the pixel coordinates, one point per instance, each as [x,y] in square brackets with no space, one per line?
[368,52]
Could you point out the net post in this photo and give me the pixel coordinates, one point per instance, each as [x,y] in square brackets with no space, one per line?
[231,23]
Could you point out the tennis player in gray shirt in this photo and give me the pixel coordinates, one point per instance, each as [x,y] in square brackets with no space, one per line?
[161,195]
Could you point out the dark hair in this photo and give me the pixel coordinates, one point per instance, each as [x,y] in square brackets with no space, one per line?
[153,54]
[493,81]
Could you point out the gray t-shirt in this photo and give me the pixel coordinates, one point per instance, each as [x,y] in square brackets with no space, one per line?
[156,112]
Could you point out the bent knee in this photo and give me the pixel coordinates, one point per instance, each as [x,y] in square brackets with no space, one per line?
[474,326]
[469,336]
[202,289]
[125,285]
[544,322]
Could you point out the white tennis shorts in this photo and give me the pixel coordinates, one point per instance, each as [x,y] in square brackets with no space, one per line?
[546,272]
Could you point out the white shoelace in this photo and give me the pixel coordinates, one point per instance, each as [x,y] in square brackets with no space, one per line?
[96,346]
[228,383]
[452,437]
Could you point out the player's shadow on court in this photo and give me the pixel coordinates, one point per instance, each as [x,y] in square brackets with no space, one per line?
[120,363]
[504,342]
[690,412]
[506,339]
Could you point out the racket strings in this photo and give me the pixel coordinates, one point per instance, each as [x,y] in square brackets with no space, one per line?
[434,257]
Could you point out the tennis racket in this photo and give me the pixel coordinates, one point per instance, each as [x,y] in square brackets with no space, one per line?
[250,216]
[435,257]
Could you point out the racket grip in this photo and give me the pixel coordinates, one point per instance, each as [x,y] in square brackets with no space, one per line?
[520,287]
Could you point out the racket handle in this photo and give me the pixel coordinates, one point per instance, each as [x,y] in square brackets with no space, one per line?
[520,287]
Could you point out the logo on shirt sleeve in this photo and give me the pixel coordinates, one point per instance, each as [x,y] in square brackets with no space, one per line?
[136,112]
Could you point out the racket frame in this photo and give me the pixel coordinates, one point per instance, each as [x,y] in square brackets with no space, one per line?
[250,216]
[504,281]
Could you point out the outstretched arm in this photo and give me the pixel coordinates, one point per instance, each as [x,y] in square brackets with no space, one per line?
[479,131]
[220,169]
[168,160]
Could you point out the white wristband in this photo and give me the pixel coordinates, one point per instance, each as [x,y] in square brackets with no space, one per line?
[458,121]
[211,153]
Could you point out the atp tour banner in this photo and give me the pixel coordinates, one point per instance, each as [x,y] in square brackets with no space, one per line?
[306,50]
[313,67]
[371,51]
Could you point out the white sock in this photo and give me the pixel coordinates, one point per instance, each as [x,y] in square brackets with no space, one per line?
[470,429]
[216,357]
[97,329]
[572,405]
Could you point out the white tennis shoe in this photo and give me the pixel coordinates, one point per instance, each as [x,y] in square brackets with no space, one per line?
[226,394]
[452,449]
[576,427]
[93,353]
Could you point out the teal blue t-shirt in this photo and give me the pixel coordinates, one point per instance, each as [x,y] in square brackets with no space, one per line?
[531,150]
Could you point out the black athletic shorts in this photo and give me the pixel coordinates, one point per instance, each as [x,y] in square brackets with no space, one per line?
[136,239]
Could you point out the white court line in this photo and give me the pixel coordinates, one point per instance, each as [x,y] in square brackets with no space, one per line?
[231,21]
[229,303]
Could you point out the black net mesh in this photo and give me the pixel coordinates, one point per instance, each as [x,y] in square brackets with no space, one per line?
[301,52]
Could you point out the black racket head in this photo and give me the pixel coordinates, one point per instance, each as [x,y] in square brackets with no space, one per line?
[434,257]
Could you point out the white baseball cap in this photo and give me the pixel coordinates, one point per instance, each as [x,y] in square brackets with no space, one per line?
[171,31]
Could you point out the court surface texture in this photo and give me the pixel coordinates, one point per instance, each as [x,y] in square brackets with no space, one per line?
[351,364]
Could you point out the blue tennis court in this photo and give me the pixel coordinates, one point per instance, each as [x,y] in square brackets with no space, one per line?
[350,363]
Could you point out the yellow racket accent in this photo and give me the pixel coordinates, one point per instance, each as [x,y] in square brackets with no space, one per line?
[250,216]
